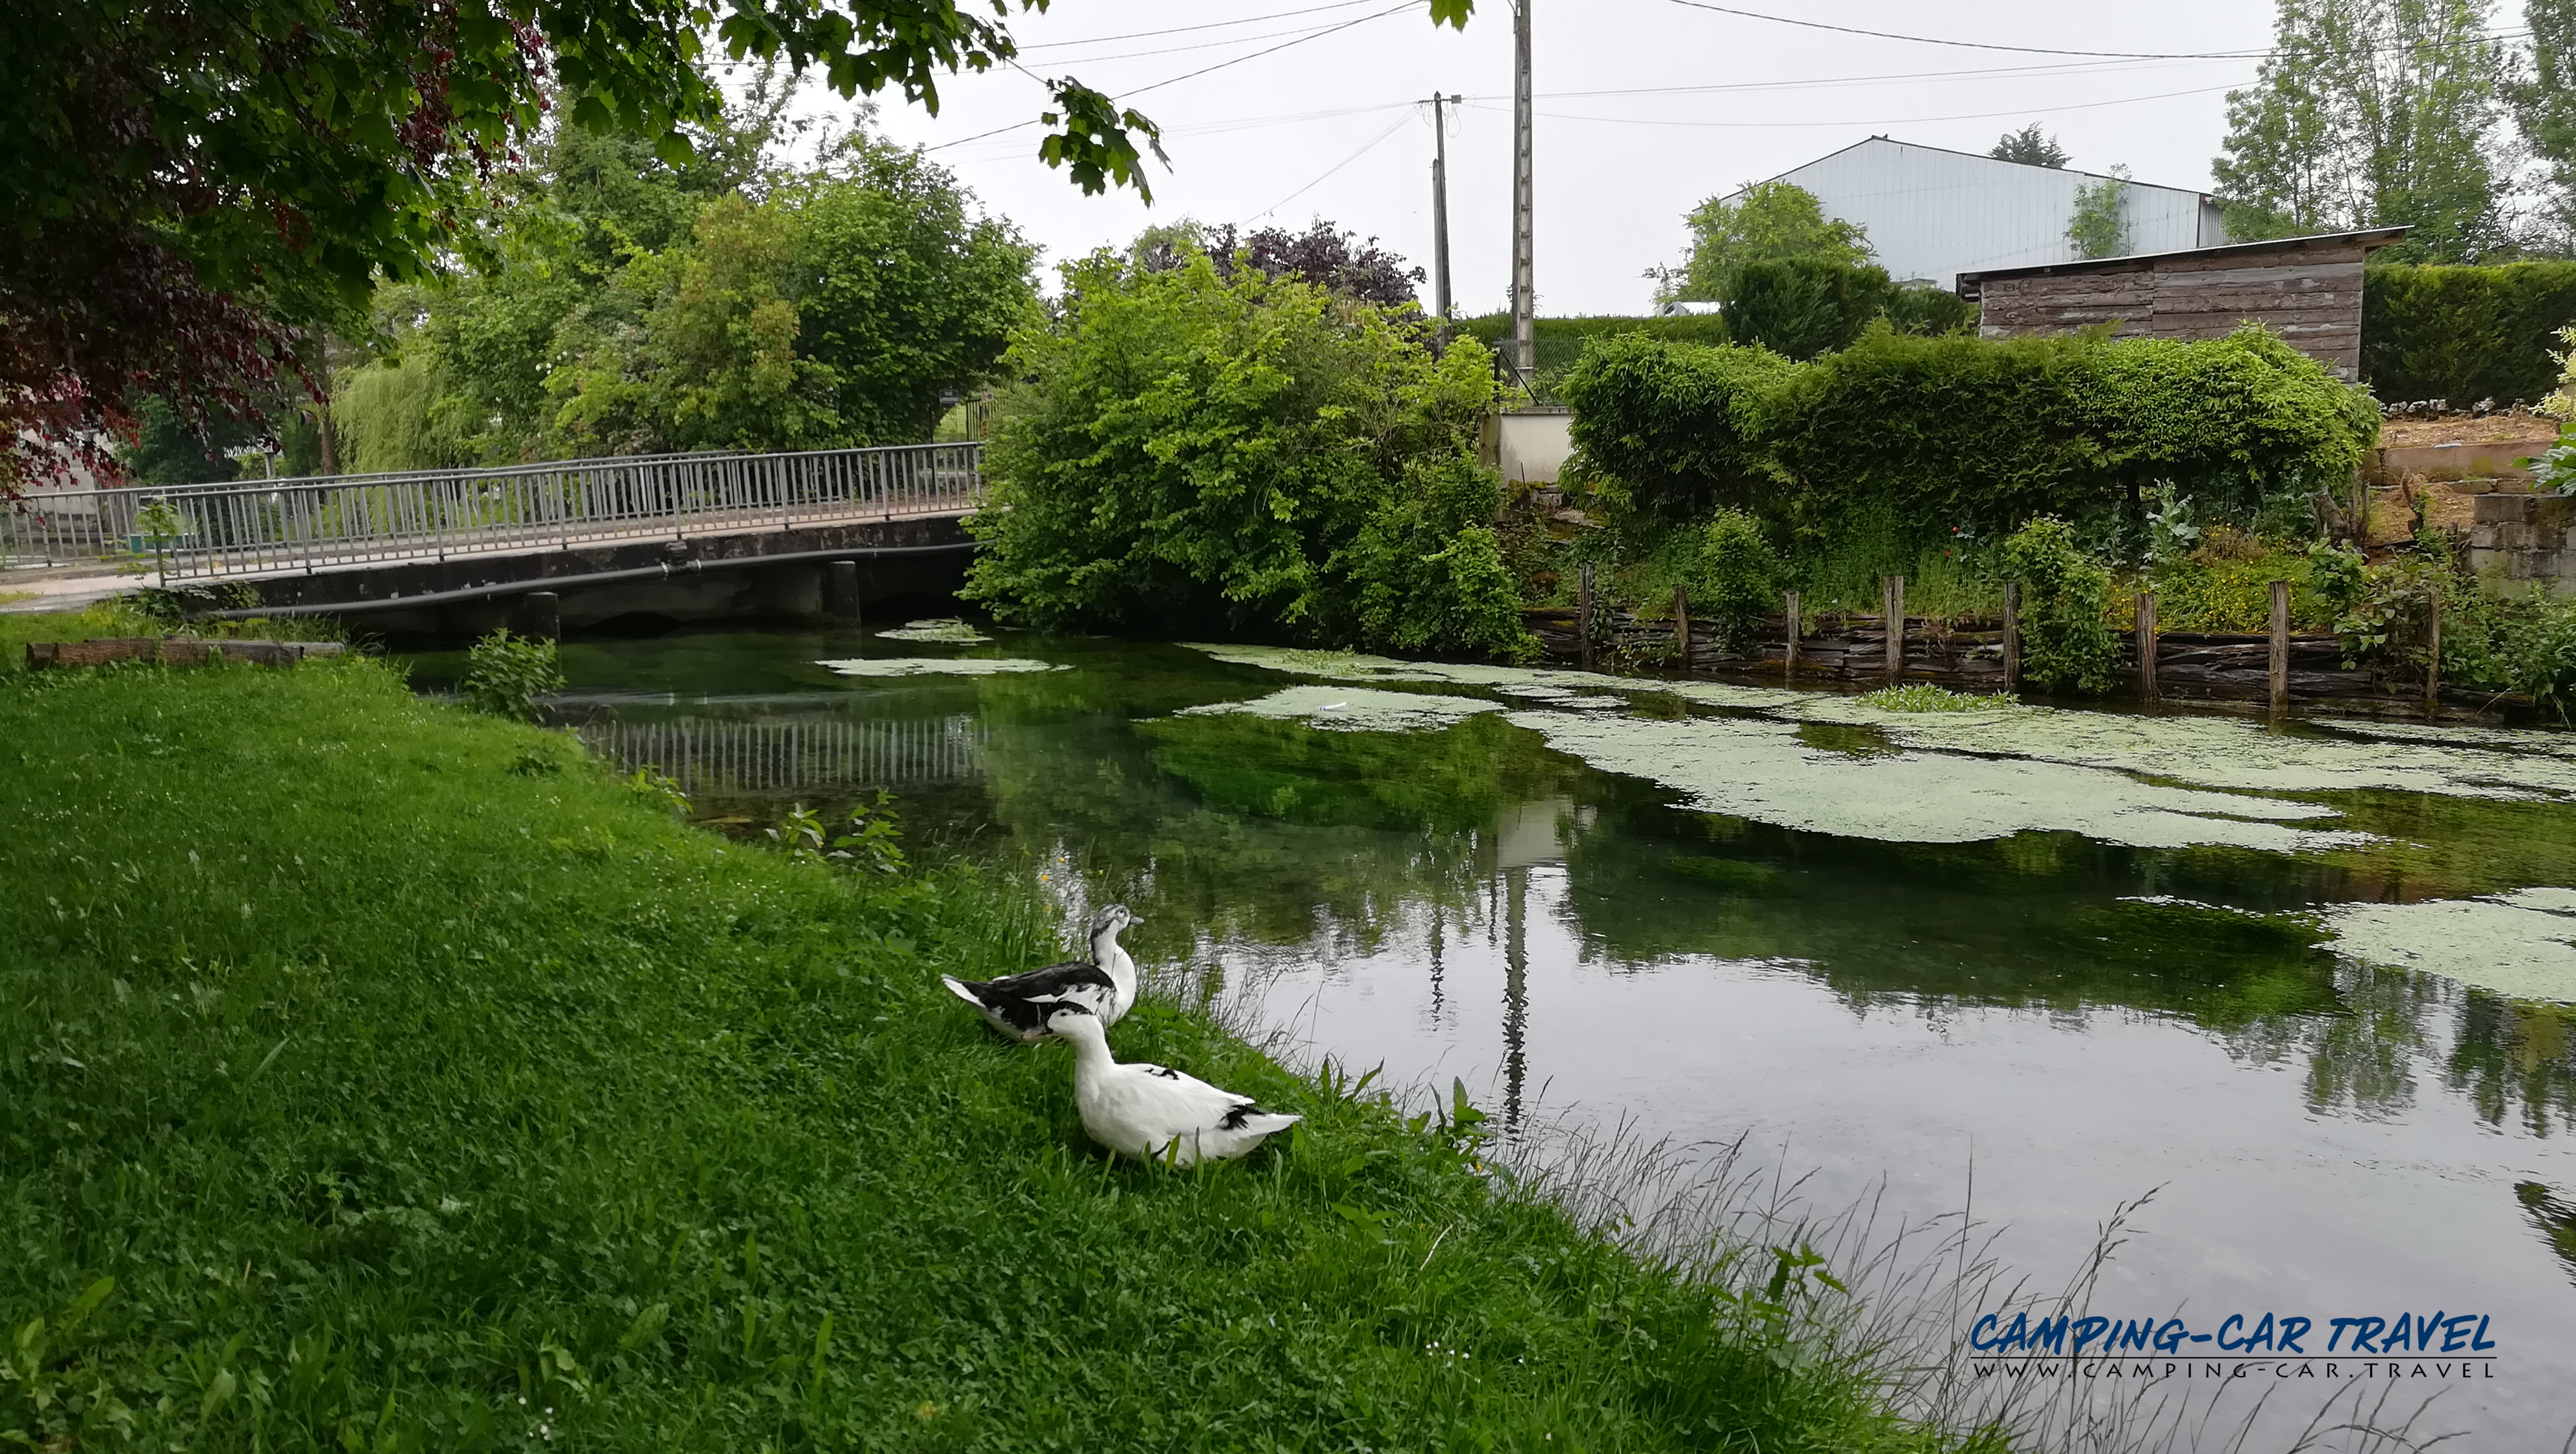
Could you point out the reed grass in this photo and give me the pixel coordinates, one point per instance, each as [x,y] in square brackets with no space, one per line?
[382,1077]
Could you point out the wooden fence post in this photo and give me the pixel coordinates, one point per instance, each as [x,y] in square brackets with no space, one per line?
[1681,624]
[2433,659]
[2012,636]
[1583,618]
[1791,665]
[2147,645]
[2280,646]
[1895,608]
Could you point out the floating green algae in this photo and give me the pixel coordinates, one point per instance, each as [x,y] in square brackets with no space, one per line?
[2212,752]
[944,628]
[1353,709]
[1760,769]
[915,666]
[2521,945]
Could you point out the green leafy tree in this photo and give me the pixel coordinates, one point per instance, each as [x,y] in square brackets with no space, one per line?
[2544,107]
[714,364]
[190,187]
[2373,113]
[1196,452]
[665,308]
[1763,222]
[2029,147]
[2099,225]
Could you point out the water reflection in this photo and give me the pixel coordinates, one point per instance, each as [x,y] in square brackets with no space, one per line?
[804,758]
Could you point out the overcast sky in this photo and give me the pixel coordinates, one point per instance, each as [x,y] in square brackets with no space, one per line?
[1645,107]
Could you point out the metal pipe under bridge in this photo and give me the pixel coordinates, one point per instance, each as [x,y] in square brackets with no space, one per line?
[203,532]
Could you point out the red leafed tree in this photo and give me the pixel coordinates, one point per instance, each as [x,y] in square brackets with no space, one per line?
[193,189]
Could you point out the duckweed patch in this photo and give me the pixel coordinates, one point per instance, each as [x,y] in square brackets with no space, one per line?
[953,666]
[2521,945]
[945,628]
[1762,770]
[1353,709]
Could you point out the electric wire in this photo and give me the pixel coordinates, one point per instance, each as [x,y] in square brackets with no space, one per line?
[1877,121]
[1185,29]
[2041,50]
[1133,92]
[1373,144]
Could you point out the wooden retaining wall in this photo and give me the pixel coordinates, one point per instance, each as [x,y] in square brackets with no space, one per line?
[1968,653]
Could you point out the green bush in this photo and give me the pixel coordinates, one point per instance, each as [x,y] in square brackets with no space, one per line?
[1735,581]
[1801,307]
[1930,312]
[2066,639]
[1963,438]
[2464,333]
[1200,454]
[1678,425]
[508,676]
[1562,341]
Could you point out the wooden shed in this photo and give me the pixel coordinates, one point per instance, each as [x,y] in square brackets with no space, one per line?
[2306,289]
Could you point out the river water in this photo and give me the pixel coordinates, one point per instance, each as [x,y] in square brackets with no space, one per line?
[2310,986]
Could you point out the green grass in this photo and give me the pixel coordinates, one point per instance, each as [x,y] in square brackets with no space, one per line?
[381,1077]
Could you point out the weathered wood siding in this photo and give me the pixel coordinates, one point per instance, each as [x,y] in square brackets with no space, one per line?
[2308,293]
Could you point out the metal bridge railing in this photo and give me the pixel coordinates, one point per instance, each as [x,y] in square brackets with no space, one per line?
[266,526]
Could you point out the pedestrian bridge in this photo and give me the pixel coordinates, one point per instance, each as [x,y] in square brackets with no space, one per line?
[441,550]
[239,530]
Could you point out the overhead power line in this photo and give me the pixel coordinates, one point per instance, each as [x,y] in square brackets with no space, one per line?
[1400,6]
[2038,50]
[1186,29]
[1481,104]
[1373,144]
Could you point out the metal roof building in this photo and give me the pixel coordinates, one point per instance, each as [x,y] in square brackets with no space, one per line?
[1933,214]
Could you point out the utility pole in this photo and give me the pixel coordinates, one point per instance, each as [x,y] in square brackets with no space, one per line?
[1440,206]
[1524,266]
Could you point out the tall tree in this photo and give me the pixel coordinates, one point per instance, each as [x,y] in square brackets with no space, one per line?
[2373,113]
[1764,222]
[2099,223]
[2029,147]
[190,187]
[1323,255]
[2544,105]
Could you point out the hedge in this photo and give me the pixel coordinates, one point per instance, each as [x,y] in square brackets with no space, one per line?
[1561,340]
[2464,333]
[1969,434]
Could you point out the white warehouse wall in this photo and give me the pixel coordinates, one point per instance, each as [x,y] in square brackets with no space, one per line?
[1934,214]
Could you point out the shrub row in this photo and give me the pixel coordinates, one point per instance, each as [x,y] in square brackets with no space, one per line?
[2464,333]
[1955,436]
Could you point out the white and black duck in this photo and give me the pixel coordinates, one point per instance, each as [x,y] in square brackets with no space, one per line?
[1152,1111]
[1018,1004]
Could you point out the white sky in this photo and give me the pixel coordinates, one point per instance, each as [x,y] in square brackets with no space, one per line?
[1326,127]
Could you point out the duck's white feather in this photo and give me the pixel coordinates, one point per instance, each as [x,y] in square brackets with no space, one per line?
[1154,1112]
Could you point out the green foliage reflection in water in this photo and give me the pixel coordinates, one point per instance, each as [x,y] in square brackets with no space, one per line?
[681,1144]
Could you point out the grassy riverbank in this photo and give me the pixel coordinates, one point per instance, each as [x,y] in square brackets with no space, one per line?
[419,1086]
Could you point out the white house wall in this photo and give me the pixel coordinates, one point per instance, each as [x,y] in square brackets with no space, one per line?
[1933,214]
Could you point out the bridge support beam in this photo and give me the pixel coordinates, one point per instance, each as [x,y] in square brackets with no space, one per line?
[541,615]
[841,590]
